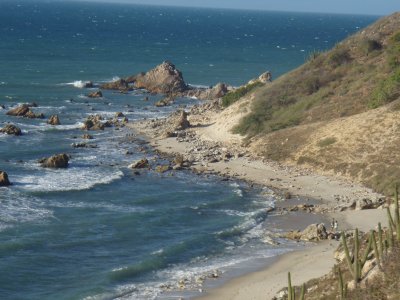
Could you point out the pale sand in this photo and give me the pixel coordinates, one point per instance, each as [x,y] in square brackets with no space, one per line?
[306,264]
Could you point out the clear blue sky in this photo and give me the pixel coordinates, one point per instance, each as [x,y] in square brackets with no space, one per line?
[374,7]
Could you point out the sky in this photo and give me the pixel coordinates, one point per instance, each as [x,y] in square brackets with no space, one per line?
[370,7]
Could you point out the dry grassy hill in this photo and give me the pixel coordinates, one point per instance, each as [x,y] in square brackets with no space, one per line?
[339,112]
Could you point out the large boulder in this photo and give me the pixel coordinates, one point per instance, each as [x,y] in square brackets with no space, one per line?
[4,179]
[11,130]
[96,94]
[314,232]
[19,111]
[54,120]
[163,79]
[94,122]
[55,161]
[24,111]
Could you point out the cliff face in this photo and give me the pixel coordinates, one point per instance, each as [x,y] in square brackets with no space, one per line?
[338,113]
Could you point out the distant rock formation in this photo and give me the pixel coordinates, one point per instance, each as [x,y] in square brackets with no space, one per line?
[11,130]
[55,161]
[54,120]
[163,79]
[4,179]
[140,164]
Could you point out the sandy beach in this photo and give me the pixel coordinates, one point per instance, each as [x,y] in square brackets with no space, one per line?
[333,193]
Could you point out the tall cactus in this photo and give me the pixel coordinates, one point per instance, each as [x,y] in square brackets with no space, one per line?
[356,261]
[290,288]
[342,285]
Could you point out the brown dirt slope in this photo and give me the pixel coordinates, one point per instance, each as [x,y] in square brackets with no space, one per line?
[338,113]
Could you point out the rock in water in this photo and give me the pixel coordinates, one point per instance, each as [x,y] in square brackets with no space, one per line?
[4,179]
[120,84]
[24,111]
[19,111]
[55,161]
[163,79]
[11,130]
[54,120]
[140,164]
[97,94]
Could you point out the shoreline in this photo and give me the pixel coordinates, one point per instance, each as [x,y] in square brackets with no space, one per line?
[300,185]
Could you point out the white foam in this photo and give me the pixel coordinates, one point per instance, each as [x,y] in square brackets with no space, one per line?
[78,83]
[70,179]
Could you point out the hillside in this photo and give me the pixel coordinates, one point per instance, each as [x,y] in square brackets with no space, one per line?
[338,113]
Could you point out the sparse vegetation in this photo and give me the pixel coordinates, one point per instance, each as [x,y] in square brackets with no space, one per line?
[386,91]
[235,95]
[338,56]
[326,142]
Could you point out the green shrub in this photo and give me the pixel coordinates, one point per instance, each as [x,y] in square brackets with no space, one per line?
[386,91]
[394,50]
[338,57]
[235,95]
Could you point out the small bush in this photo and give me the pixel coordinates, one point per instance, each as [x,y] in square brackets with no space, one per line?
[339,56]
[326,142]
[368,46]
[235,95]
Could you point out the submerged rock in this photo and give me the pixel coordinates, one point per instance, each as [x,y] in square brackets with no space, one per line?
[4,179]
[163,169]
[11,130]
[55,161]
[54,120]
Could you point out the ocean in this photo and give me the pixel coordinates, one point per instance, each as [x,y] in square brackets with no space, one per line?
[97,230]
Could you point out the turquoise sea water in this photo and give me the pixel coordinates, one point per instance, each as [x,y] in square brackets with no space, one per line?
[96,230]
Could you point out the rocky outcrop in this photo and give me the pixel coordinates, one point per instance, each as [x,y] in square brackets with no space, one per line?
[11,130]
[163,79]
[24,111]
[120,84]
[55,161]
[4,181]
[313,232]
[96,94]
[263,78]
[218,91]
[54,120]
[140,164]
[165,101]
[93,122]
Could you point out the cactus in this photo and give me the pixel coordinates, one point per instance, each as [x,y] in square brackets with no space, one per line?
[380,240]
[375,247]
[355,263]
[303,292]
[290,288]
[342,286]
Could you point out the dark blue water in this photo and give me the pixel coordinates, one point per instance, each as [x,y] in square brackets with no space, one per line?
[97,230]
